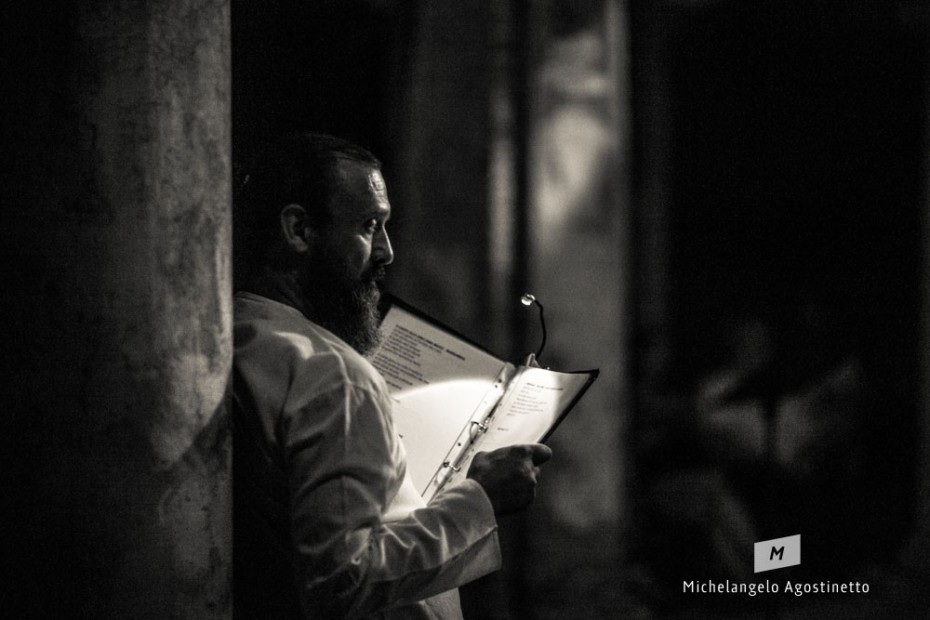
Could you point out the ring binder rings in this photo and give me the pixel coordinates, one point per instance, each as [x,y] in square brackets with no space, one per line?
[481,426]
[478,428]
[452,398]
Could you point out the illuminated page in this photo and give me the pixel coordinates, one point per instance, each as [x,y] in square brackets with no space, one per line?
[533,405]
[439,383]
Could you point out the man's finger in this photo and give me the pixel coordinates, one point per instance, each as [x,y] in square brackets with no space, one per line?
[540,453]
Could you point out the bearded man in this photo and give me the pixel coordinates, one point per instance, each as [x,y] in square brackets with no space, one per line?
[327,524]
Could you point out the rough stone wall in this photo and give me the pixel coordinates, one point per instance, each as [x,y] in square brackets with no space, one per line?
[117,239]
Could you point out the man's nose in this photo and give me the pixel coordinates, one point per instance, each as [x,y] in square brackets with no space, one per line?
[382,251]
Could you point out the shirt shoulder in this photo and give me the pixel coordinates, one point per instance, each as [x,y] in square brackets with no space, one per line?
[277,347]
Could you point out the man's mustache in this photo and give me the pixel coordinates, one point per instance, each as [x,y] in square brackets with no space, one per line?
[375,274]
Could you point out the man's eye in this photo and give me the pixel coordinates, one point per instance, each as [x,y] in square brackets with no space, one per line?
[372,225]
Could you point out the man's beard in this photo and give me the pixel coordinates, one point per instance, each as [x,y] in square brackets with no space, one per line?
[346,306]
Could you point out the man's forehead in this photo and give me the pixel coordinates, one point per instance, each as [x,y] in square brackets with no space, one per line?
[361,174]
[362,187]
[376,182]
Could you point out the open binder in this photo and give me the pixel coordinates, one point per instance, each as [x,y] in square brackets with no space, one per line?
[452,398]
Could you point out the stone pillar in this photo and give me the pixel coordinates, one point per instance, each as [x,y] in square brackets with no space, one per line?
[441,182]
[117,246]
[580,214]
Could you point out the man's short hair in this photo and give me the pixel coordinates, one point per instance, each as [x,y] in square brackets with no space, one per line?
[299,168]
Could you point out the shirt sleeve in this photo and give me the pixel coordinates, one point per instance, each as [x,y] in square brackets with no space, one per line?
[345,465]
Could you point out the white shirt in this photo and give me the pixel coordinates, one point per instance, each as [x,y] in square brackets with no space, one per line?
[364,543]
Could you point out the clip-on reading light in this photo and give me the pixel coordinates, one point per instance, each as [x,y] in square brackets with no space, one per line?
[529,300]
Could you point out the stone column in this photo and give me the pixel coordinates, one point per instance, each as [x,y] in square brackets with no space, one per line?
[579,226]
[440,187]
[117,244]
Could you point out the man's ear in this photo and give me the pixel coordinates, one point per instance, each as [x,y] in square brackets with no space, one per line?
[295,226]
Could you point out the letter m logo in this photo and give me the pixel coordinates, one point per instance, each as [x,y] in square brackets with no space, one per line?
[777,553]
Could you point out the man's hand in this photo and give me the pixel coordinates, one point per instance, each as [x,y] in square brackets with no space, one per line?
[508,475]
